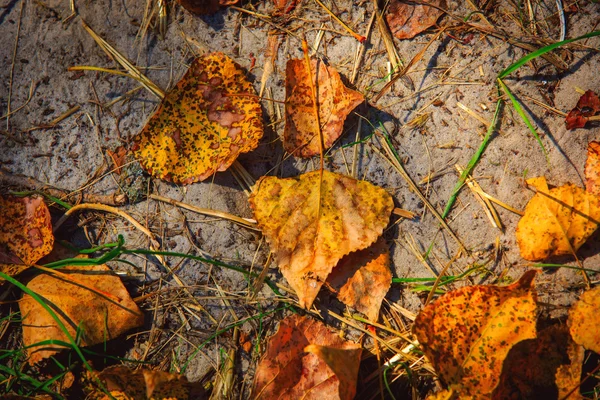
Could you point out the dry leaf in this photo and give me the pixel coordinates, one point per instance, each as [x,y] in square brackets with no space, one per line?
[557,221]
[363,278]
[283,7]
[592,168]
[467,333]
[407,20]
[542,367]
[311,224]
[335,102]
[584,320]
[124,383]
[587,106]
[202,7]
[90,297]
[118,158]
[25,230]
[304,360]
[203,124]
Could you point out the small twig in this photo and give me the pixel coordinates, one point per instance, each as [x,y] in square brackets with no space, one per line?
[356,36]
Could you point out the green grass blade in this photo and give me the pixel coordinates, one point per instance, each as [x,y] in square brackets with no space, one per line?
[518,64]
[524,117]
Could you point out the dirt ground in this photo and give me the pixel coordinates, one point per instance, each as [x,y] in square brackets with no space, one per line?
[40,43]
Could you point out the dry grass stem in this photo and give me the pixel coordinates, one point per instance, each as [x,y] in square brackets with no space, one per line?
[485,203]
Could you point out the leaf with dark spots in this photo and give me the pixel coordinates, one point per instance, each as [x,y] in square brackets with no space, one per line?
[584,320]
[406,19]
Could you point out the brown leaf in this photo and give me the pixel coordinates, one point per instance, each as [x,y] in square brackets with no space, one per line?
[25,229]
[304,360]
[203,124]
[557,221]
[363,278]
[542,367]
[584,320]
[587,106]
[203,7]
[118,157]
[407,20]
[125,383]
[467,333]
[311,223]
[335,102]
[89,297]
[285,6]
[592,168]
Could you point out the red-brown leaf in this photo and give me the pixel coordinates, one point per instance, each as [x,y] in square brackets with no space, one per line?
[407,20]
[587,106]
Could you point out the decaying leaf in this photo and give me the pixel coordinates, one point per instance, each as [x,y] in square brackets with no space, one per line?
[125,383]
[587,106]
[542,367]
[592,168]
[283,7]
[363,278]
[90,298]
[467,333]
[584,320]
[557,221]
[406,20]
[335,101]
[203,124]
[203,7]
[25,230]
[304,360]
[311,223]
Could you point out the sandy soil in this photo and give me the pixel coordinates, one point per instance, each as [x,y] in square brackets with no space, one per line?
[72,154]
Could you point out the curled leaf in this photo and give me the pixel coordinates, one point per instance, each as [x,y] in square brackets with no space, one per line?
[335,101]
[587,106]
[312,221]
[203,124]
[89,298]
[25,230]
[304,360]
[467,333]
[557,221]
[584,320]
[406,20]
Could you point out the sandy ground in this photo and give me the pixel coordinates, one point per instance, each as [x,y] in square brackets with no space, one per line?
[72,154]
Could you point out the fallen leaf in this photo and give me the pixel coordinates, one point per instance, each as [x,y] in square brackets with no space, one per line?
[311,223]
[557,221]
[283,7]
[118,158]
[542,367]
[587,106]
[25,229]
[335,102]
[466,334]
[407,20]
[91,298]
[304,360]
[584,320]
[592,168]
[125,383]
[363,278]
[203,7]
[203,124]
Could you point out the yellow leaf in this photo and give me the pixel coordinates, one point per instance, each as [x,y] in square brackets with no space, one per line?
[91,298]
[584,320]
[311,223]
[467,333]
[557,221]
[203,124]
[335,102]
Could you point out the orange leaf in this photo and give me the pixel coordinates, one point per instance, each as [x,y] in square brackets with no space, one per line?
[363,278]
[592,168]
[25,230]
[335,102]
[407,20]
[542,367]
[203,124]
[557,221]
[311,223]
[96,301]
[467,333]
[124,383]
[304,360]
[584,320]
[202,7]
